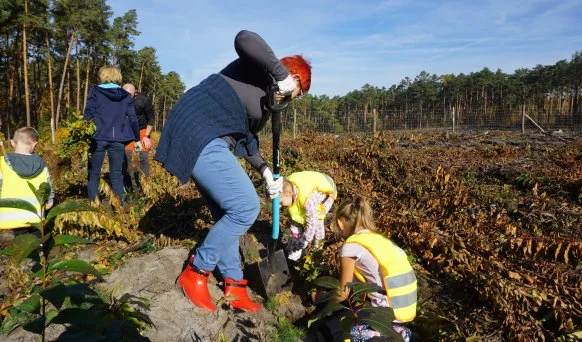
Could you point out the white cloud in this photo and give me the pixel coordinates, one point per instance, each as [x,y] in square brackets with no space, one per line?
[352,43]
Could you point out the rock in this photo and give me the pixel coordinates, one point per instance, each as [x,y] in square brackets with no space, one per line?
[88,254]
[6,237]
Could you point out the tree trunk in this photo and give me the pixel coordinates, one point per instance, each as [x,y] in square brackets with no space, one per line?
[164,113]
[155,128]
[549,116]
[37,105]
[572,106]
[50,80]
[59,98]
[575,106]
[78,66]
[87,77]
[25,65]
[67,96]
[10,101]
[485,103]
[140,77]
[365,113]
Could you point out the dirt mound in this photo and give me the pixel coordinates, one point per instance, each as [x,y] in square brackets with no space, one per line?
[153,276]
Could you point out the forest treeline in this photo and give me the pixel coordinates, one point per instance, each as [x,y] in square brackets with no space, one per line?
[551,93]
[52,50]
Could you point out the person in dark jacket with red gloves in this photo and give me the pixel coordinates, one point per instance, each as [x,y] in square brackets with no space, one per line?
[212,124]
[111,110]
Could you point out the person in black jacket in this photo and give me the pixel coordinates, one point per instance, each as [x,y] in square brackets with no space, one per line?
[212,124]
[144,110]
[111,110]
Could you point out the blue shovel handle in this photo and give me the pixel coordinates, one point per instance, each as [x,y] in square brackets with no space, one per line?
[276,211]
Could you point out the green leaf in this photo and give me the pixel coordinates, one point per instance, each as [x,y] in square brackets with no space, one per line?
[36,325]
[362,288]
[76,265]
[324,297]
[69,240]
[117,256]
[30,304]
[47,236]
[42,193]
[15,320]
[50,315]
[382,323]
[330,308]
[121,330]
[69,207]
[359,297]
[140,317]
[80,290]
[77,316]
[18,204]
[142,302]
[388,313]
[37,225]
[22,246]
[85,336]
[327,282]
[346,323]
[311,321]
[37,268]
[56,294]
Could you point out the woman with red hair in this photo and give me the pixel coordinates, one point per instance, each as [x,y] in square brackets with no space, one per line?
[212,124]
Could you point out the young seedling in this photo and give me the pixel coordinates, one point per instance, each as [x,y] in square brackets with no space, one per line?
[355,309]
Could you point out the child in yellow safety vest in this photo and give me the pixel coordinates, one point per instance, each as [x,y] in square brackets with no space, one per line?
[17,169]
[308,196]
[372,258]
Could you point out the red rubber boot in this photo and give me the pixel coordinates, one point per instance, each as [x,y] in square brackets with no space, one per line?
[241,300]
[194,283]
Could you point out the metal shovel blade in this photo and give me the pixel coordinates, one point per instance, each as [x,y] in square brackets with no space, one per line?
[275,273]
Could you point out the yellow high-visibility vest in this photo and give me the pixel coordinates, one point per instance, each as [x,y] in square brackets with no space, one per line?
[14,186]
[306,182]
[397,275]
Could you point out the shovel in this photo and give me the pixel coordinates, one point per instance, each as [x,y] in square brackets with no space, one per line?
[273,269]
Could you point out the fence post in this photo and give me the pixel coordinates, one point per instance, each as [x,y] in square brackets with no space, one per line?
[374,120]
[294,122]
[523,119]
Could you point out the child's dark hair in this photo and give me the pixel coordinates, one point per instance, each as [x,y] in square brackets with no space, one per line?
[26,135]
[355,213]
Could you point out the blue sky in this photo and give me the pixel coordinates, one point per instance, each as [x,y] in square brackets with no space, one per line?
[351,43]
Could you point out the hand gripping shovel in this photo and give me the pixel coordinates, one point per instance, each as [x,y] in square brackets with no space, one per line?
[273,269]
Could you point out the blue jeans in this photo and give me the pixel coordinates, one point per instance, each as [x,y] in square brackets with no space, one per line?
[115,156]
[129,171]
[233,202]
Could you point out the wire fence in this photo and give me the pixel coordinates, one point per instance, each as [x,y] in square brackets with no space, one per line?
[295,122]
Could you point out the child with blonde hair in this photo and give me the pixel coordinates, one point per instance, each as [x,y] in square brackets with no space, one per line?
[370,257]
[17,170]
[308,196]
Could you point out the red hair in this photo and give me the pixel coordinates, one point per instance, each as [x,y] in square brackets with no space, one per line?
[296,64]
